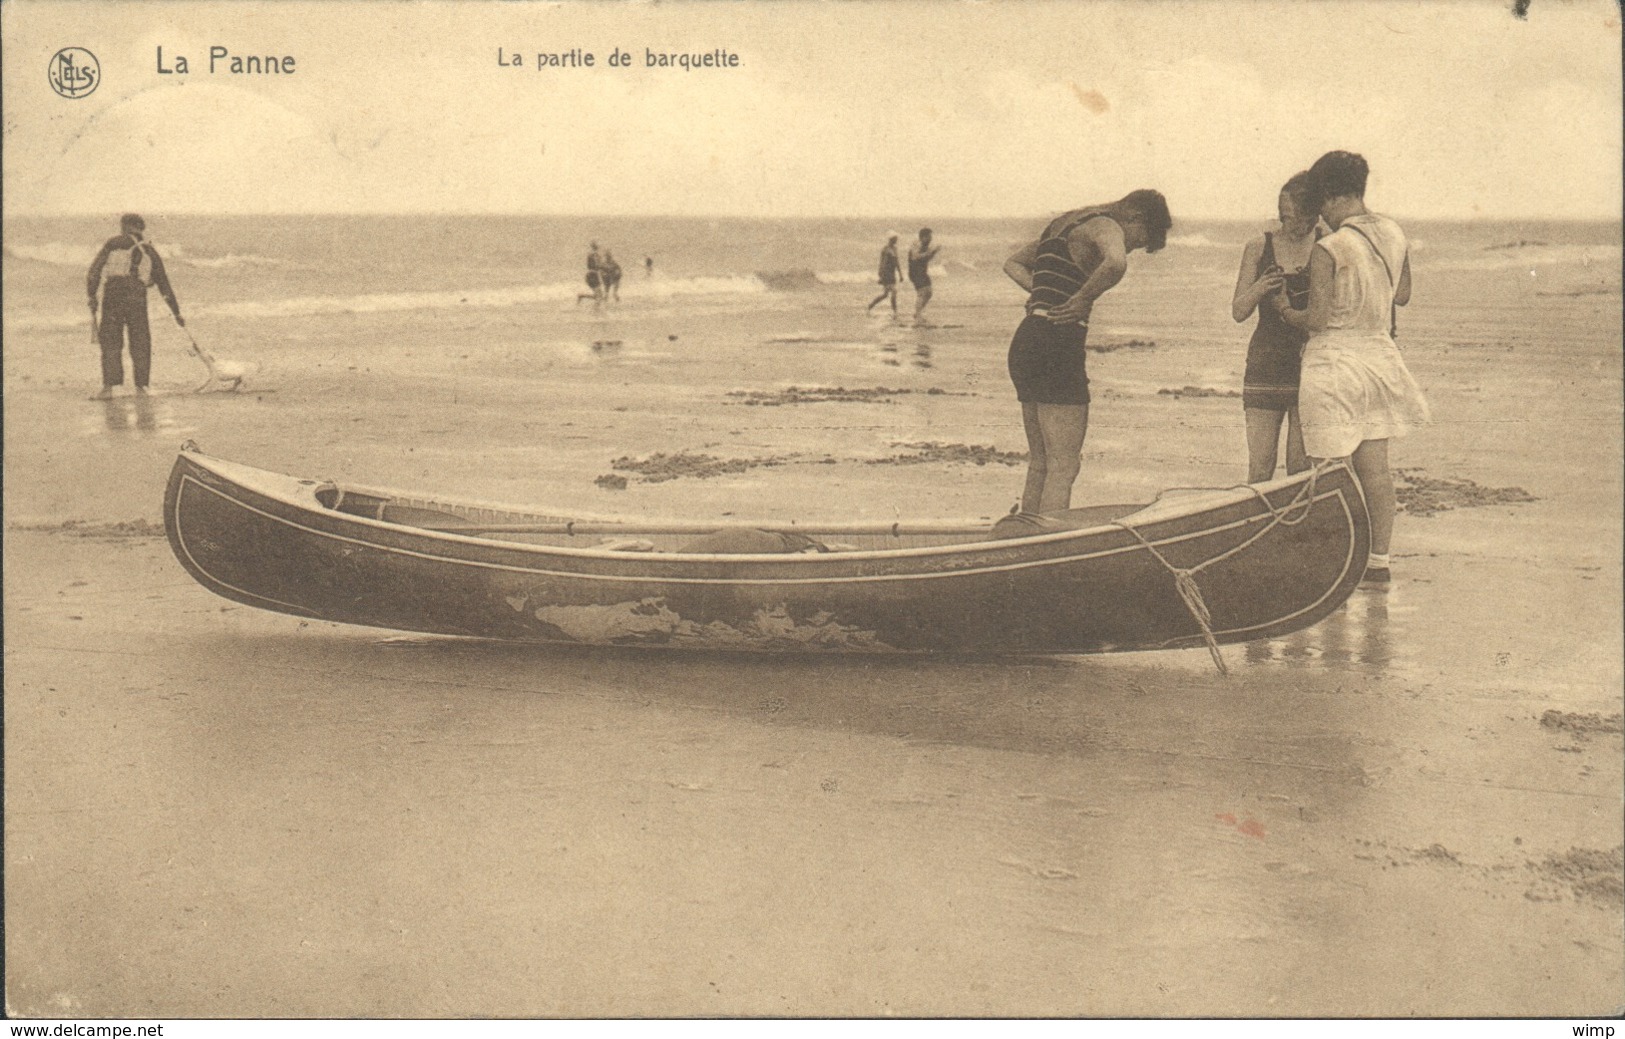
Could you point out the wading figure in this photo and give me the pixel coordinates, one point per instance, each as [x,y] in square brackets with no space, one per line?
[595,279]
[890,269]
[920,255]
[122,270]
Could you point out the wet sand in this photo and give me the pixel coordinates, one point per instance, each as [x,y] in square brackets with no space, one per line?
[1412,809]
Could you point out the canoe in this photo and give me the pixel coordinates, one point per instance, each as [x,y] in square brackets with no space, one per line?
[1192,568]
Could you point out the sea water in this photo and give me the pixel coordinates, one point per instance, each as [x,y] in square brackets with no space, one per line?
[268,267]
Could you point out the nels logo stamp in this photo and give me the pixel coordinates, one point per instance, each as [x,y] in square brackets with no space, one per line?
[74,72]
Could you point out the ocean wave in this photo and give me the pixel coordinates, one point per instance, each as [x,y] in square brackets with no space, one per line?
[802,279]
[59,253]
[387,302]
[1530,254]
[451,299]
[79,319]
[66,254]
[228,261]
[793,280]
[847,277]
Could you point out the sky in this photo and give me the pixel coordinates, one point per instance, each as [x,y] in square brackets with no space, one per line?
[974,108]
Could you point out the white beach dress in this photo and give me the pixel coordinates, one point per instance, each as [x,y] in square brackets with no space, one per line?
[1355,386]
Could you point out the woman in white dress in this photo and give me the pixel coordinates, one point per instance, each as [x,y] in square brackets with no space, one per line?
[1355,392]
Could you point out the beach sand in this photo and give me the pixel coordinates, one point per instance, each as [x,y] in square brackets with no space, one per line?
[1412,809]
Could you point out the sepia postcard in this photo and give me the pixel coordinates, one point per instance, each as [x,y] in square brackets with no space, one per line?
[744,510]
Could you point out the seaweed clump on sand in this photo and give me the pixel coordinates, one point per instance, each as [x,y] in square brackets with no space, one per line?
[1590,873]
[1583,725]
[826,394]
[973,454]
[660,467]
[1197,391]
[1127,344]
[1588,290]
[1421,495]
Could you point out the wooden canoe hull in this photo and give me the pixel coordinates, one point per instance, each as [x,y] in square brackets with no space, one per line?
[263,539]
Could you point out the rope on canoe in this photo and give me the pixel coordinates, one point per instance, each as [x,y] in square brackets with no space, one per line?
[1185,578]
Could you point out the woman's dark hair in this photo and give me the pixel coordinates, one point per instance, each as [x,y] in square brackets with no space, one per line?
[1300,187]
[1337,174]
[1152,208]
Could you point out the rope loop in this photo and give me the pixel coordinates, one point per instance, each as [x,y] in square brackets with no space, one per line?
[1185,577]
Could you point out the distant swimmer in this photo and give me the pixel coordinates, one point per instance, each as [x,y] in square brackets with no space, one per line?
[890,269]
[122,270]
[920,255]
[595,280]
[1077,257]
[610,272]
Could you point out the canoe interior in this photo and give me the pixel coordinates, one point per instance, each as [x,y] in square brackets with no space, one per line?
[488,522]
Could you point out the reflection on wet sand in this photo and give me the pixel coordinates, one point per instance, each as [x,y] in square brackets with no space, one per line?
[1357,634]
[139,414]
[124,413]
[1224,835]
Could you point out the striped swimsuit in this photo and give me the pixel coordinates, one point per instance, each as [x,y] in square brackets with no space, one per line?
[1046,360]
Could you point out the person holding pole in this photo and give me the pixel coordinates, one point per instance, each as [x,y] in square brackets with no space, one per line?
[126,265]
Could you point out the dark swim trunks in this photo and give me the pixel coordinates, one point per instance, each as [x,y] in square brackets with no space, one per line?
[919,272]
[1047,362]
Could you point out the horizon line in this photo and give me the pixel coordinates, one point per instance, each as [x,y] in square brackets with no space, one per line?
[894,218]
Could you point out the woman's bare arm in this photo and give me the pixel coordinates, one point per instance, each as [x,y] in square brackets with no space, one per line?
[1107,238]
[1319,314]
[1250,291]
[1020,266]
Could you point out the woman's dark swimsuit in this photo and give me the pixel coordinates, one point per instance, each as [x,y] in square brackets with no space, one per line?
[1046,359]
[1275,352]
[888,267]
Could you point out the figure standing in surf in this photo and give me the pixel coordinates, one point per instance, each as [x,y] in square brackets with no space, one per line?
[890,270]
[595,278]
[920,255]
[126,265]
